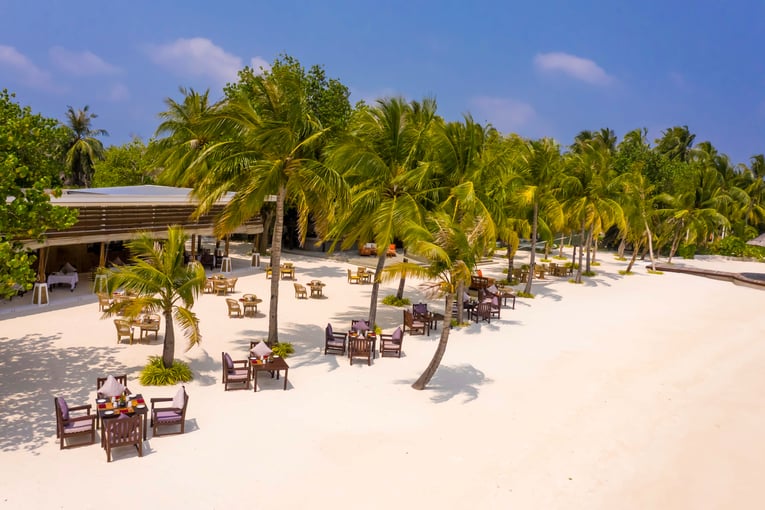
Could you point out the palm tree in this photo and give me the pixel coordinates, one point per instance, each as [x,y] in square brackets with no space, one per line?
[540,167]
[637,202]
[262,143]
[384,161]
[451,249]
[592,205]
[181,138]
[83,146]
[164,283]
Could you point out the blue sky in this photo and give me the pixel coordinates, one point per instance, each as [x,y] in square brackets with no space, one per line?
[546,68]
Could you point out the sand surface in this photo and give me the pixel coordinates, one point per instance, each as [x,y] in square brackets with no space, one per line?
[635,392]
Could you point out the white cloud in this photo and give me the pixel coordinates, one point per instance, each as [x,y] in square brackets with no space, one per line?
[507,115]
[577,67]
[197,57]
[118,93]
[25,70]
[258,63]
[84,63]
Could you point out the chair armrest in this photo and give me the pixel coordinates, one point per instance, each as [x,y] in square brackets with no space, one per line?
[81,408]
[339,336]
[244,362]
[90,417]
[160,399]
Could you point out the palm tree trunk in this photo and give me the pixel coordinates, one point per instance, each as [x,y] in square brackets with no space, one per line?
[635,248]
[589,248]
[650,244]
[168,347]
[532,257]
[622,246]
[460,303]
[376,287]
[581,248]
[276,257]
[401,283]
[430,371]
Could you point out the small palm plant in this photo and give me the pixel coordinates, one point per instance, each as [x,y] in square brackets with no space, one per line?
[163,283]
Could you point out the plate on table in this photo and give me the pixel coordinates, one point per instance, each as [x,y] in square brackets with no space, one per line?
[133,396]
[141,406]
[275,357]
[108,413]
[100,401]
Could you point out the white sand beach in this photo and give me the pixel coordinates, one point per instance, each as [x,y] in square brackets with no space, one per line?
[626,392]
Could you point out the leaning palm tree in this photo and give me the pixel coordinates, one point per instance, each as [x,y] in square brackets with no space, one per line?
[164,283]
[83,147]
[451,250]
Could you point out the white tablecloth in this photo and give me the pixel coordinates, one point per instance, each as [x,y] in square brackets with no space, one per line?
[70,278]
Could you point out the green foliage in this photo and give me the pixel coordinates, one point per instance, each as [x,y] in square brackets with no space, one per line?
[83,148]
[283,349]
[525,295]
[624,272]
[651,271]
[31,159]
[687,251]
[155,373]
[392,300]
[589,273]
[123,165]
[733,246]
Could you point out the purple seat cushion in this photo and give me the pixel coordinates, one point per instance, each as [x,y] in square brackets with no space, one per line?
[420,308]
[64,408]
[77,426]
[167,415]
[396,336]
[229,362]
[329,330]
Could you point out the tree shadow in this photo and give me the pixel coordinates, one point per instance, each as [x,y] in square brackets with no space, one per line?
[452,381]
[34,370]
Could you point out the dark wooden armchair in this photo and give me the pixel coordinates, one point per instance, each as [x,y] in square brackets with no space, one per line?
[391,344]
[482,312]
[334,342]
[415,326]
[172,415]
[235,373]
[69,426]
[360,347]
[123,431]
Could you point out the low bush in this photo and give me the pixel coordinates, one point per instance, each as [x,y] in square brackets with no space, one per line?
[283,349]
[155,373]
[392,300]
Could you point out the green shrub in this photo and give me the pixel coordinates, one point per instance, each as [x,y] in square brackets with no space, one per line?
[392,300]
[687,251]
[525,295]
[155,373]
[589,273]
[283,349]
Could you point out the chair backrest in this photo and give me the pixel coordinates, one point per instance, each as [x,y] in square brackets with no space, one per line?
[122,431]
[122,379]
[408,318]
[233,304]
[359,325]
[397,335]
[420,309]
[123,327]
[328,332]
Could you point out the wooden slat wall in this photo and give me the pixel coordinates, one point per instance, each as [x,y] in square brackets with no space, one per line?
[109,222]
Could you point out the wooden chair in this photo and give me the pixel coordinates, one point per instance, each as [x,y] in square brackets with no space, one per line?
[234,310]
[235,372]
[415,326]
[69,426]
[208,286]
[481,312]
[300,291]
[174,414]
[104,302]
[123,431]
[124,330]
[353,278]
[360,347]
[269,271]
[334,342]
[230,284]
[391,344]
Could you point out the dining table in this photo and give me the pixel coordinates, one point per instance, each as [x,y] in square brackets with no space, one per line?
[274,365]
[368,335]
[134,404]
[317,288]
